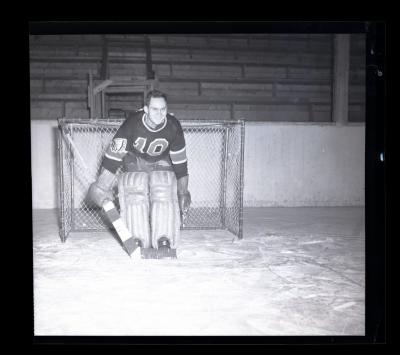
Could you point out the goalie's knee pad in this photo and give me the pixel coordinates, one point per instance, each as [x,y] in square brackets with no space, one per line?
[133,197]
[165,217]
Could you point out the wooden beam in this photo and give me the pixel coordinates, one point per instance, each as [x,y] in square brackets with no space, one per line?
[130,83]
[149,62]
[103,105]
[104,60]
[125,89]
[220,63]
[54,59]
[90,95]
[102,86]
[340,107]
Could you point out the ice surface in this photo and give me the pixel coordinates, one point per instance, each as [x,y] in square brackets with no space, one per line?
[297,271]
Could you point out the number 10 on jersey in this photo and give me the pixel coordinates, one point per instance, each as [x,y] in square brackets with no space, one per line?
[156,147]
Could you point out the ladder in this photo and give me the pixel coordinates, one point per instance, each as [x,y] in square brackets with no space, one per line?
[97,91]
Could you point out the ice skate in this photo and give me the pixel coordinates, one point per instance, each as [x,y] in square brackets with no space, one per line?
[165,250]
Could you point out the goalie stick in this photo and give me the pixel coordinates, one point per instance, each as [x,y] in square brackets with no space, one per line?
[129,244]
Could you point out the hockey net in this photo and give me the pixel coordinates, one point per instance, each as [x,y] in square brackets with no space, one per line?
[215,163]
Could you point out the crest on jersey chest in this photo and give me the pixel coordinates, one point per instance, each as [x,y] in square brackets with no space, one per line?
[118,145]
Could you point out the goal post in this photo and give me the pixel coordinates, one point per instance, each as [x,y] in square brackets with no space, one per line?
[215,152]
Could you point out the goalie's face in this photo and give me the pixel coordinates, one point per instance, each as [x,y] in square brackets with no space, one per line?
[156,111]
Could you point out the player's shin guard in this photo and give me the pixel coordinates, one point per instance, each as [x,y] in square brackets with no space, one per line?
[165,217]
[134,204]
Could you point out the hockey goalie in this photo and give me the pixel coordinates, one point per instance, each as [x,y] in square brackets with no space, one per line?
[153,185]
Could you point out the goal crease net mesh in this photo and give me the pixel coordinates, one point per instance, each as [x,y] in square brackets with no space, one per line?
[215,163]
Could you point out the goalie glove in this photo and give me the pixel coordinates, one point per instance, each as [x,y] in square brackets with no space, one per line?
[184,200]
[101,190]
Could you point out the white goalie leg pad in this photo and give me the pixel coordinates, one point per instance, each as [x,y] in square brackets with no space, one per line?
[165,217]
[133,198]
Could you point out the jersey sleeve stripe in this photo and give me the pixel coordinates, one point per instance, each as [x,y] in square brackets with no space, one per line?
[178,151]
[179,157]
[179,162]
[112,157]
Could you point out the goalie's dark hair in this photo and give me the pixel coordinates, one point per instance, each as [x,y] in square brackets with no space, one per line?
[155,94]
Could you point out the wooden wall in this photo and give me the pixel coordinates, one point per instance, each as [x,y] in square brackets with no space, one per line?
[258,77]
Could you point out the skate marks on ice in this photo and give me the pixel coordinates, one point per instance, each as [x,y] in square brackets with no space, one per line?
[264,284]
[316,284]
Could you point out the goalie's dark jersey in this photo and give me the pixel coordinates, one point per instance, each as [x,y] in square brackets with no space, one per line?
[135,136]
